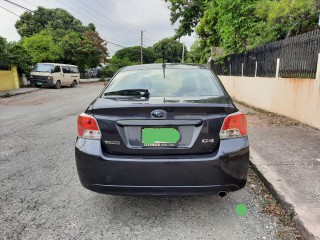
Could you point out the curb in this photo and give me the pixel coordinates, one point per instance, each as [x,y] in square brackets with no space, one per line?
[18,93]
[283,201]
[89,80]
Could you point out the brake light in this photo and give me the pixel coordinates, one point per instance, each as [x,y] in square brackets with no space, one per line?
[88,127]
[234,125]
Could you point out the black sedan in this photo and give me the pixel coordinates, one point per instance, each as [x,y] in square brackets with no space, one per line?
[163,129]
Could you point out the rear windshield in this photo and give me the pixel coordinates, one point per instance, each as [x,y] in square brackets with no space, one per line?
[176,83]
[40,67]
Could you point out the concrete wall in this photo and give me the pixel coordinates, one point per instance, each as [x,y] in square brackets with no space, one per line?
[9,80]
[291,97]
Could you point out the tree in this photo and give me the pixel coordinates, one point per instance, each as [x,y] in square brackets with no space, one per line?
[133,54]
[54,35]
[4,54]
[42,48]
[282,19]
[20,57]
[31,23]
[114,65]
[171,48]
[228,24]
[237,25]
[188,13]
[199,52]
[14,54]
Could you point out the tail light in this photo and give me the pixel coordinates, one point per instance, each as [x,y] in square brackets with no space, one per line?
[234,125]
[88,127]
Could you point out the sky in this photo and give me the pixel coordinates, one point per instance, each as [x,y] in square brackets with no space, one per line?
[117,21]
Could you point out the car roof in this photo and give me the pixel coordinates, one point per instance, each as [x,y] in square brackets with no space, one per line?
[60,64]
[168,66]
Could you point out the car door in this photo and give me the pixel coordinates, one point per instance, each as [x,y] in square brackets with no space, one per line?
[66,79]
[57,73]
[74,73]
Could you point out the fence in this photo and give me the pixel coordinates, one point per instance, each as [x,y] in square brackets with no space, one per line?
[298,59]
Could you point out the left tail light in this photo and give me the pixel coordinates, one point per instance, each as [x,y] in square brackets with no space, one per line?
[88,127]
[234,125]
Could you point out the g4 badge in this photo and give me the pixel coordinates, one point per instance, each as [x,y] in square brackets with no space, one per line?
[208,140]
[112,142]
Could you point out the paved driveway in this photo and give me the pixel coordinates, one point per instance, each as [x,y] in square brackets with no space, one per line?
[41,197]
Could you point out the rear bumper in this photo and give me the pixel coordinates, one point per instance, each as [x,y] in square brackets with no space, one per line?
[223,170]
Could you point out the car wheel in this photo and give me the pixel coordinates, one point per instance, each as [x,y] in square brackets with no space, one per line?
[74,83]
[58,85]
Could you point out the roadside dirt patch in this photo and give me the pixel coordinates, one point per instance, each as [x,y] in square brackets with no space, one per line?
[262,118]
[271,207]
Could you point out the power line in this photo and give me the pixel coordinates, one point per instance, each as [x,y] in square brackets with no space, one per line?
[109,20]
[49,18]
[30,3]
[9,11]
[116,44]
[18,5]
[97,23]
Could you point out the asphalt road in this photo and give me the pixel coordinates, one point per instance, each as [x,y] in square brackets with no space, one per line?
[41,196]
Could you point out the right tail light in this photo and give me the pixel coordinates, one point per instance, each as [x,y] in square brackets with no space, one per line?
[234,125]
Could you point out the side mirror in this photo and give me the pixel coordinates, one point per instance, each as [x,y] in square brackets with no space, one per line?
[51,71]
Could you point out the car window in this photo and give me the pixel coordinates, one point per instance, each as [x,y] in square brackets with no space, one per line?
[57,69]
[176,83]
[74,69]
[40,67]
[65,69]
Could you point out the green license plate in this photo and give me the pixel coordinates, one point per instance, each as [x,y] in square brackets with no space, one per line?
[39,83]
[160,137]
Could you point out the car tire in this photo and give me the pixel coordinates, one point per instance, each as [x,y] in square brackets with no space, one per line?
[74,83]
[58,85]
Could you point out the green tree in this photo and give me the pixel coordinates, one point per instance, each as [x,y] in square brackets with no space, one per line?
[199,52]
[4,54]
[133,54]
[228,24]
[20,57]
[188,13]
[42,48]
[14,54]
[282,19]
[114,65]
[54,35]
[237,25]
[31,23]
[171,48]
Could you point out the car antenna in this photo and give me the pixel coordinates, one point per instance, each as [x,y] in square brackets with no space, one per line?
[163,63]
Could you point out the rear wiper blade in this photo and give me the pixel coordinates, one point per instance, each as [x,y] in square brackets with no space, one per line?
[130,92]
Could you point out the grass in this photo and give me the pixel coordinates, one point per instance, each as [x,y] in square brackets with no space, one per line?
[7,94]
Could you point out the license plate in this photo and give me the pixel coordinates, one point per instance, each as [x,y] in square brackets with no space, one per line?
[160,137]
[39,83]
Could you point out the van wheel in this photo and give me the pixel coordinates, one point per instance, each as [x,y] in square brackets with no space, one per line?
[74,83]
[58,85]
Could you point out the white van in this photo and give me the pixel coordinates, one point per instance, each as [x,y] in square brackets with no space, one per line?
[54,75]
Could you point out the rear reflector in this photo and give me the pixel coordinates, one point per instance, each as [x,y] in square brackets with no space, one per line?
[234,125]
[88,127]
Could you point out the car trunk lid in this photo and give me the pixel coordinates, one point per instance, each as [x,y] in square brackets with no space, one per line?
[190,126]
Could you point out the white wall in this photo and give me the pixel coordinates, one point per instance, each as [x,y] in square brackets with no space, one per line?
[292,97]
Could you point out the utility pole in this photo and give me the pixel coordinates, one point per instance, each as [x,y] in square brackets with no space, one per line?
[141,52]
[182,59]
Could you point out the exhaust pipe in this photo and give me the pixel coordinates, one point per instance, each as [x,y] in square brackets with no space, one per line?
[222,194]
